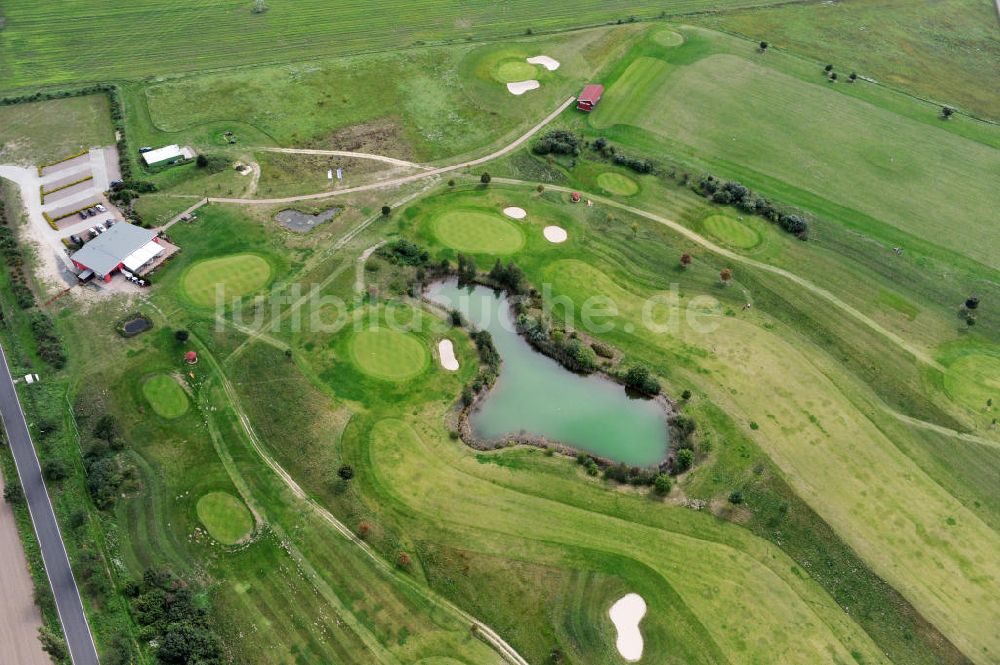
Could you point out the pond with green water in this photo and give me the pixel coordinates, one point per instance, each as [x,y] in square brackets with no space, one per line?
[537,396]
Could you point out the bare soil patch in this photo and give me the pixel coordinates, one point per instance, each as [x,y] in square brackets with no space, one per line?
[384,136]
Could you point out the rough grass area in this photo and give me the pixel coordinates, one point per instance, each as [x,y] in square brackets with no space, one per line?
[477,232]
[732,231]
[42,132]
[388,354]
[44,39]
[942,50]
[233,276]
[165,396]
[225,517]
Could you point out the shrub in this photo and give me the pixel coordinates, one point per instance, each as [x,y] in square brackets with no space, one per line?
[346,472]
[557,142]
[684,461]
[662,484]
[638,378]
[736,497]
[404,252]
[55,470]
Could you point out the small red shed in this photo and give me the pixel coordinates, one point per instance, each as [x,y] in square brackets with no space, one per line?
[589,97]
[575,197]
[191,357]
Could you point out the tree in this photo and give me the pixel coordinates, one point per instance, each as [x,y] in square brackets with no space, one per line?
[451,183]
[485,178]
[12,492]
[736,497]
[726,274]
[182,335]
[828,69]
[685,260]
[364,528]
[686,395]
[853,77]
[201,161]
[833,77]
[55,470]
[386,210]
[763,47]
[972,302]
[662,484]
[639,378]
[404,560]
[346,472]
[947,112]
[685,459]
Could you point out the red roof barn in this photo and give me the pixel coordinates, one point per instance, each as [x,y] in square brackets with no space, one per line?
[589,97]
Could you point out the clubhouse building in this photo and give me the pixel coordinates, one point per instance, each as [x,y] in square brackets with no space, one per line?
[123,246]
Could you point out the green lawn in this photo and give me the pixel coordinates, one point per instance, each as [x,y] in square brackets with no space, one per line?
[225,517]
[165,395]
[388,354]
[616,183]
[732,231]
[232,276]
[477,231]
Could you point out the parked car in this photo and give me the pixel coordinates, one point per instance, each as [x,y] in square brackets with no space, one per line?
[108,224]
[101,208]
[75,239]
[100,229]
[92,211]
[83,214]
[93,232]
[145,149]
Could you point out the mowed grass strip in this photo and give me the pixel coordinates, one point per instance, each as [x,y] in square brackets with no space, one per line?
[616,183]
[388,354]
[514,70]
[165,396]
[225,517]
[732,231]
[477,232]
[738,114]
[236,275]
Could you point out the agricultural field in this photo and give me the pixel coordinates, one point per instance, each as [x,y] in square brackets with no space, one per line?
[43,132]
[290,452]
[43,41]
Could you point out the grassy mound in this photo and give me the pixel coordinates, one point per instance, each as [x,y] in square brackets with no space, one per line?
[515,70]
[616,183]
[668,38]
[973,379]
[225,517]
[239,274]
[165,396]
[388,354]
[477,232]
[732,231]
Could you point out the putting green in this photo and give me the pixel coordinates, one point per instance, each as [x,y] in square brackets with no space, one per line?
[616,183]
[668,38]
[515,70]
[477,232]
[165,395]
[225,517]
[388,354]
[973,379]
[238,274]
[732,231]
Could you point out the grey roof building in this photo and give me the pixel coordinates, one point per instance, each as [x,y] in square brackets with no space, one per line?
[112,249]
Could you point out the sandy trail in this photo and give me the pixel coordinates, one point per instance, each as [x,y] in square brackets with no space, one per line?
[347,153]
[19,616]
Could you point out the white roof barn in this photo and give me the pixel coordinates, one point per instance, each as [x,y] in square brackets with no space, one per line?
[167,153]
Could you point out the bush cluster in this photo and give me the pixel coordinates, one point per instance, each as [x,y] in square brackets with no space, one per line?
[639,378]
[734,193]
[557,142]
[405,253]
[168,615]
[608,151]
[109,471]
[509,277]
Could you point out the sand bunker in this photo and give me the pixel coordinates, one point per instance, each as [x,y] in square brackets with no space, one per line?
[550,64]
[447,352]
[521,87]
[626,615]
[515,213]
[555,234]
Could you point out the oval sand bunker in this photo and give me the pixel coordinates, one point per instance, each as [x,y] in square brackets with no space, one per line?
[515,213]
[521,87]
[555,234]
[447,352]
[626,614]
[550,64]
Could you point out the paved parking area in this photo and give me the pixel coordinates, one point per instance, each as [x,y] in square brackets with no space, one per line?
[68,166]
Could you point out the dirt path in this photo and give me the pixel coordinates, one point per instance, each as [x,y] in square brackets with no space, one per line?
[347,153]
[19,616]
[395,182]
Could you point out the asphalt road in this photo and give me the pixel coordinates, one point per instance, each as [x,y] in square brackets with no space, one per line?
[75,627]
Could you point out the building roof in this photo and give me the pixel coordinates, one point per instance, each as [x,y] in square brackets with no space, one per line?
[143,255]
[106,251]
[162,154]
[592,93]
